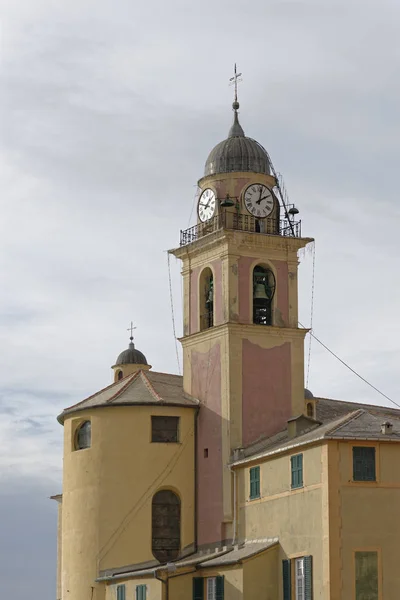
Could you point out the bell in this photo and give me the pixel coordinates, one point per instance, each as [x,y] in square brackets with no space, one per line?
[259,292]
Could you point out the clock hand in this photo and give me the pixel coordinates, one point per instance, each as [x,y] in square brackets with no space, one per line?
[259,200]
[264,197]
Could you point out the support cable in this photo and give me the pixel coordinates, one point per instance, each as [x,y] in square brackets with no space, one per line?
[350,368]
[173,315]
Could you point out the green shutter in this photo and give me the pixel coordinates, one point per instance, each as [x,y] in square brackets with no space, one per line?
[297,470]
[219,587]
[287,581]
[141,591]
[364,463]
[308,581]
[121,592]
[254,482]
[198,588]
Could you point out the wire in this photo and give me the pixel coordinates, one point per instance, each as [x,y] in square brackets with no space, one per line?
[311,315]
[350,369]
[173,315]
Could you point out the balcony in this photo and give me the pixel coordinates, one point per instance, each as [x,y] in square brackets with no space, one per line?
[237,222]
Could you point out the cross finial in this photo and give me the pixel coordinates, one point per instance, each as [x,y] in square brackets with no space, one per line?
[234,81]
[131,328]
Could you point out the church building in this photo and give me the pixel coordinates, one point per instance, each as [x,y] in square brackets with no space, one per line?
[231,482]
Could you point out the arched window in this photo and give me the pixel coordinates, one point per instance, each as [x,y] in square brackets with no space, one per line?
[120,375]
[83,437]
[166,526]
[206,292]
[263,293]
[310,409]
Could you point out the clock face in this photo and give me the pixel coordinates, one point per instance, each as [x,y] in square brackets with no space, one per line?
[259,200]
[206,206]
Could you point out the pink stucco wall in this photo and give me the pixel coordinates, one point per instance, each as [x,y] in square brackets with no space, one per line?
[245,264]
[266,390]
[194,304]
[206,386]
[218,312]
[282,288]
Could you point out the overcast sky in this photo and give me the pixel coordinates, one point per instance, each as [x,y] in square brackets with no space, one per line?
[108,112]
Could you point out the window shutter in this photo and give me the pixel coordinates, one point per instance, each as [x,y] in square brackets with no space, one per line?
[287,582]
[198,588]
[255,482]
[121,592]
[219,591]
[364,463]
[297,470]
[308,580]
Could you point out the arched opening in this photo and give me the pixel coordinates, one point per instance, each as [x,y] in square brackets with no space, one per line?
[310,409]
[83,438]
[206,293]
[263,293]
[120,375]
[166,526]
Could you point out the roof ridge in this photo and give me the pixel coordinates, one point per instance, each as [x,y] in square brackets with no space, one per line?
[130,379]
[150,387]
[93,395]
[345,420]
[374,406]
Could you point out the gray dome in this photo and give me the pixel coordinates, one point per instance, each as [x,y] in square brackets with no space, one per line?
[131,356]
[237,153]
[308,395]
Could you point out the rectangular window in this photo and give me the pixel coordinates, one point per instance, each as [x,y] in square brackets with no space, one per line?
[141,591]
[301,569]
[296,463]
[211,588]
[364,463]
[254,482]
[299,578]
[165,429]
[367,586]
[121,592]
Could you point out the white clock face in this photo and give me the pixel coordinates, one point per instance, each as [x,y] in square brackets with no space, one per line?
[206,205]
[259,200]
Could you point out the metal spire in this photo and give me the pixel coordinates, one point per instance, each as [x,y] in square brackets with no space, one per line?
[131,329]
[236,129]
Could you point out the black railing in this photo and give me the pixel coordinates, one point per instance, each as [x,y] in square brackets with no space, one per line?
[238,222]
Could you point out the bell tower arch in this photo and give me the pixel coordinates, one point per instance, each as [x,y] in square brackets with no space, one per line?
[247,366]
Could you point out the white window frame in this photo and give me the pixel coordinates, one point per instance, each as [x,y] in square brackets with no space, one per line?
[211,588]
[299,578]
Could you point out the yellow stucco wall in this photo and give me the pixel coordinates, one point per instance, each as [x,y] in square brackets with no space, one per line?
[154,588]
[108,489]
[261,576]
[295,516]
[367,518]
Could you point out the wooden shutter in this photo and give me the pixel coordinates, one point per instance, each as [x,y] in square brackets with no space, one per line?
[219,588]
[308,579]
[141,592]
[287,581]
[255,482]
[297,470]
[121,592]
[198,588]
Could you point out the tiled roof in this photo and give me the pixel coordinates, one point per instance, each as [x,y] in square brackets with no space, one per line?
[143,387]
[237,554]
[201,560]
[339,420]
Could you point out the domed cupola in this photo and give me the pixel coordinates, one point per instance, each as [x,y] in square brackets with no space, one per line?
[129,361]
[237,153]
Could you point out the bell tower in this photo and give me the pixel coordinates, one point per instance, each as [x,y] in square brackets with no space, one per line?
[243,352]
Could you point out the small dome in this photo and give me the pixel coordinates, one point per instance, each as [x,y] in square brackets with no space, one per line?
[308,395]
[131,356]
[237,153]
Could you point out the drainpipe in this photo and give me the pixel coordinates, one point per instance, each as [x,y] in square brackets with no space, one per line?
[165,582]
[234,533]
